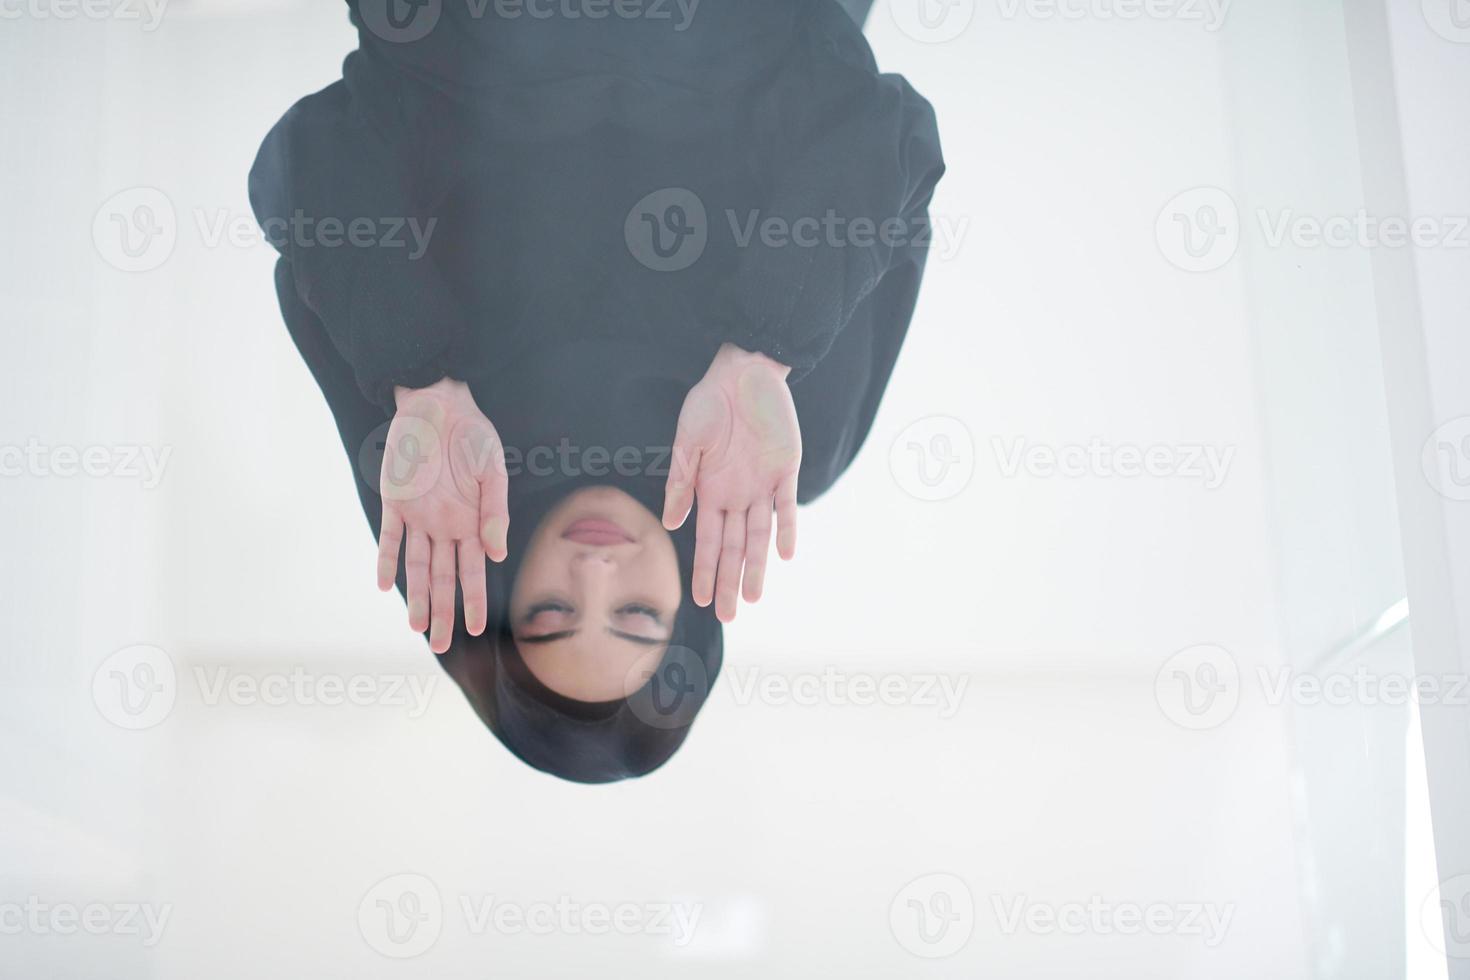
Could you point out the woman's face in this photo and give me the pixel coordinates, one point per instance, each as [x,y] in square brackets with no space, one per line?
[596,595]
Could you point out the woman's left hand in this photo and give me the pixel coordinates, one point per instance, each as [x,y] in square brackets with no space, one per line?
[738,450]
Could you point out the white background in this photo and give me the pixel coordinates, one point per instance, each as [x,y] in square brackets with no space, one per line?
[1062,778]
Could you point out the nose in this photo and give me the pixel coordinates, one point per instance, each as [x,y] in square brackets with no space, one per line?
[593,561]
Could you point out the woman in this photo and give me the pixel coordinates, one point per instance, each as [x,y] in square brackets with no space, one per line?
[657,265]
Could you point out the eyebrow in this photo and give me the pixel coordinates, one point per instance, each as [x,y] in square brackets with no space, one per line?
[647,641]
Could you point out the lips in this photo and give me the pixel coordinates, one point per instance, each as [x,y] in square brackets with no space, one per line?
[596,532]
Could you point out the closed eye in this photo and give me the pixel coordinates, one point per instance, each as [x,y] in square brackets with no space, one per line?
[549,605]
[639,609]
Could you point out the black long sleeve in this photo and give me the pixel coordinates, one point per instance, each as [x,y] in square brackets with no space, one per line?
[860,158]
[323,171]
[519,146]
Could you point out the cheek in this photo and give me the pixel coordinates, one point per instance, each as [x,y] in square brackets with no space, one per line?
[667,580]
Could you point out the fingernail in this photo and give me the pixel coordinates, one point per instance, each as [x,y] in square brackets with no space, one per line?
[417,610]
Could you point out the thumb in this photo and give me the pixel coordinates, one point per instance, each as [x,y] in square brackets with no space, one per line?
[679,488]
[494,516]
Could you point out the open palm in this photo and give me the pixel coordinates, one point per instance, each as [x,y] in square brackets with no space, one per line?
[737,451]
[444,490]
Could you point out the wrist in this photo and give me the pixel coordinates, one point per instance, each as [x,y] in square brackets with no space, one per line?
[734,356]
[445,387]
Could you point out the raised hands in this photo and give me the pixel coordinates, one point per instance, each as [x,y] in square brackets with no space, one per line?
[738,450]
[444,488]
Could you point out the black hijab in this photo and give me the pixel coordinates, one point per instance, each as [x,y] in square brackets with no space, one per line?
[577,415]
[585,742]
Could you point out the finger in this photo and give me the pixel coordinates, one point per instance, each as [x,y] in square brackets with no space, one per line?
[679,488]
[708,532]
[416,564]
[441,593]
[472,583]
[389,542]
[732,557]
[757,546]
[786,518]
[494,515]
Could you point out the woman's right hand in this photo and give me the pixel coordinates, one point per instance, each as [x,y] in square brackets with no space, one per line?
[444,488]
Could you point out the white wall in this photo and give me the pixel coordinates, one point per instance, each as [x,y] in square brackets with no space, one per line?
[1058,321]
